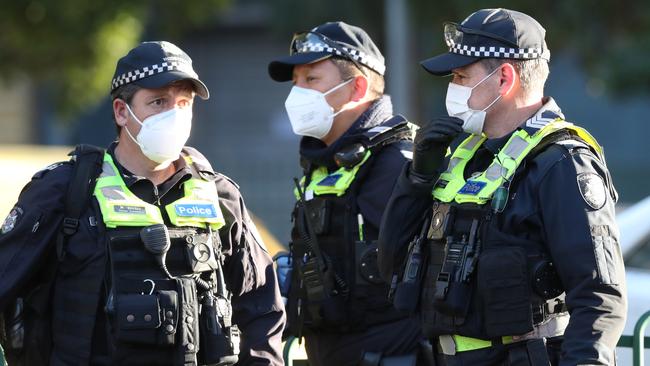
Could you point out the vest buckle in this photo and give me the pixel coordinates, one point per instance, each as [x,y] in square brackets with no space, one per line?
[70,226]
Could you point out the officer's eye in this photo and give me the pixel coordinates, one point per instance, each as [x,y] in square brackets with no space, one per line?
[184,103]
[157,102]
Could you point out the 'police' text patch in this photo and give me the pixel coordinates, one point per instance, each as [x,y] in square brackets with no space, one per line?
[472,187]
[196,210]
[330,180]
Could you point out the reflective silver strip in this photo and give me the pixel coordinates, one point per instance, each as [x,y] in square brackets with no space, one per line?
[515,147]
[452,164]
[113,193]
[447,344]
[553,327]
[107,170]
[407,154]
[495,171]
[469,145]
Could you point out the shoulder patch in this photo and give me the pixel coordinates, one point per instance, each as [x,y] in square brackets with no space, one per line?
[11,220]
[592,188]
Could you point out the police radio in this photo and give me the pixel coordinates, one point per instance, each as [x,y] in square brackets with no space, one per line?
[407,292]
[219,340]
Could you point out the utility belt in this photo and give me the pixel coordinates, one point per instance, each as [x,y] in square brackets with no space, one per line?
[453,344]
[168,298]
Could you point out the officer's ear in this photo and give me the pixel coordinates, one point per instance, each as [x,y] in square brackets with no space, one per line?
[508,79]
[120,113]
[361,84]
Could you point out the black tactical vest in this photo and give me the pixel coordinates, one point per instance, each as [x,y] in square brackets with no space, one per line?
[480,281]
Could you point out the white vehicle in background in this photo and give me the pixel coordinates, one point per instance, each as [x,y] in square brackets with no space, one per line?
[634,225]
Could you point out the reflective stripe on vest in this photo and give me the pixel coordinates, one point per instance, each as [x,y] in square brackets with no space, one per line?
[452,185]
[120,207]
[336,183]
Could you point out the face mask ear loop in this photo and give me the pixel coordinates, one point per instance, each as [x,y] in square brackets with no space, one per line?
[491,104]
[486,77]
[334,89]
[126,126]
[482,80]
[338,86]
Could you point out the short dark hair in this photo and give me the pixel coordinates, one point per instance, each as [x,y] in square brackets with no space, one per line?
[125,93]
[532,73]
[349,70]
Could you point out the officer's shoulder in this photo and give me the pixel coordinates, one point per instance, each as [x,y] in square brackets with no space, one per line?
[564,155]
[50,182]
[54,172]
[397,152]
[225,182]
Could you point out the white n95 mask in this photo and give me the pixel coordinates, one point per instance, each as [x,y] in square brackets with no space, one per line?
[309,112]
[163,135]
[457,106]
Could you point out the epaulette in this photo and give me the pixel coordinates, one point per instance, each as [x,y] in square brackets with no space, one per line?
[39,174]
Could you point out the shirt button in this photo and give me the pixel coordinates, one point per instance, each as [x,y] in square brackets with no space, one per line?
[169,328]
[190,347]
[147,318]
[169,314]
[130,318]
[190,319]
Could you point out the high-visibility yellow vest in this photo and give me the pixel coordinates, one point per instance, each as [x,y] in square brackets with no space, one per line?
[199,207]
[336,183]
[452,185]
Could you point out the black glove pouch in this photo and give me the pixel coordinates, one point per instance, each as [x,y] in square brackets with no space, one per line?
[137,318]
[504,291]
[147,319]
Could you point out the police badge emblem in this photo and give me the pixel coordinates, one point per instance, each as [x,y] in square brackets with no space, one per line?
[11,220]
[592,189]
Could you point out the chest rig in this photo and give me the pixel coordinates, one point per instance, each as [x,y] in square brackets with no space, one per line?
[480,281]
[167,300]
[335,284]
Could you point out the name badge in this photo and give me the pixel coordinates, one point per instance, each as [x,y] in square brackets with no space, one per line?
[196,210]
[129,210]
[472,187]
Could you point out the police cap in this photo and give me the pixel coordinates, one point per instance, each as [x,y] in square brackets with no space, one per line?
[327,40]
[490,33]
[155,64]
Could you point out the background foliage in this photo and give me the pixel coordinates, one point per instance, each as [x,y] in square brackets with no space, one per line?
[69,47]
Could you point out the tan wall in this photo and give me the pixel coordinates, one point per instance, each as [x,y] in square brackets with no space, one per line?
[16,106]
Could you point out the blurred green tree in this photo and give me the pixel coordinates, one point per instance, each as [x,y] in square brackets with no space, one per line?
[71,46]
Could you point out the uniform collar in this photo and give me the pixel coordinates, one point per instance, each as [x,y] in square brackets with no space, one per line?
[182,173]
[317,152]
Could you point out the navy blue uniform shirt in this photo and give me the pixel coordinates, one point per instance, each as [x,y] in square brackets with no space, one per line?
[27,243]
[549,203]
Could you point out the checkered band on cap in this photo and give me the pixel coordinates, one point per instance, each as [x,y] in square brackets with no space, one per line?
[357,55]
[147,71]
[500,52]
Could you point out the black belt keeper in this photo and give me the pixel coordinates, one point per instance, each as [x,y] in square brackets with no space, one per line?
[529,353]
[537,352]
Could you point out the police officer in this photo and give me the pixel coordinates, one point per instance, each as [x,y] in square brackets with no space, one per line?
[351,152]
[523,265]
[164,266]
